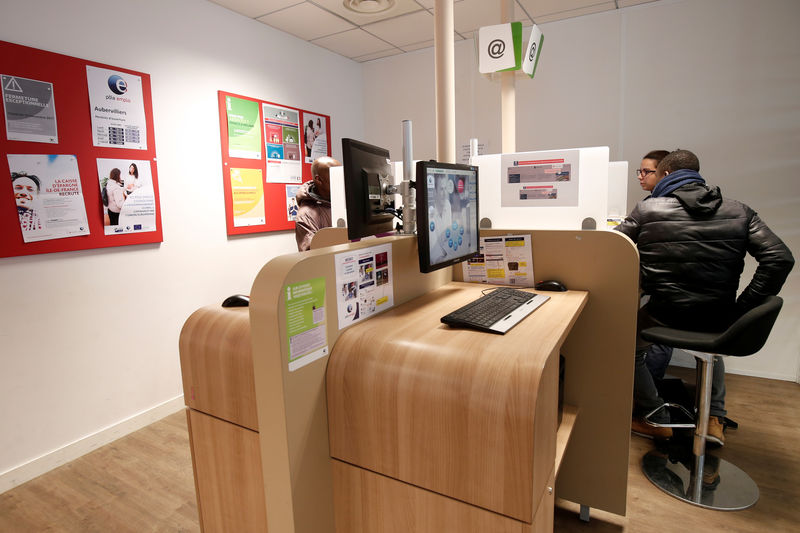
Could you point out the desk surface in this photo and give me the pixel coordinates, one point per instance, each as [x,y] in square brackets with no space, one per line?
[460,412]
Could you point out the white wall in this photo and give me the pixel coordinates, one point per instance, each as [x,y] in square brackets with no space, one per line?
[719,77]
[90,339]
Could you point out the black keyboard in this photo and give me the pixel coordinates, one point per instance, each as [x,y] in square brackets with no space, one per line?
[497,311]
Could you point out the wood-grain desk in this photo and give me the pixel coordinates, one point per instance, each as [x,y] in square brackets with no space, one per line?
[458,423]
[431,429]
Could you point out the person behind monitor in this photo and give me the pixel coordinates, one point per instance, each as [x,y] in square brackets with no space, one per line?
[692,244]
[314,202]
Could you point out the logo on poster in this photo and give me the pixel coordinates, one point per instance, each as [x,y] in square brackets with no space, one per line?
[117,84]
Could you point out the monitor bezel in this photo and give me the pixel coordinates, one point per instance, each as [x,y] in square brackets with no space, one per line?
[423,221]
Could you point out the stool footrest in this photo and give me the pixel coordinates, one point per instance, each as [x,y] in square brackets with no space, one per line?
[670,425]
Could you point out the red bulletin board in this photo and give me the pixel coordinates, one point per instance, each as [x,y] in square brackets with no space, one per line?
[275,194]
[68,76]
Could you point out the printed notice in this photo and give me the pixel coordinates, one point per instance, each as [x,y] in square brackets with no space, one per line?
[315,137]
[117,109]
[306,331]
[363,283]
[247,193]
[244,132]
[549,182]
[127,195]
[30,110]
[503,260]
[47,191]
[282,137]
[291,202]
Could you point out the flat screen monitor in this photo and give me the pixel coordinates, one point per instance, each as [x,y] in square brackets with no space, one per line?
[366,174]
[447,214]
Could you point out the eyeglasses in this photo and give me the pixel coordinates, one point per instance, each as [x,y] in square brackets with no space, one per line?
[644,172]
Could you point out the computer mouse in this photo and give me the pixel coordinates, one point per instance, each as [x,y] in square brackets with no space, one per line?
[550,285]
[237,300]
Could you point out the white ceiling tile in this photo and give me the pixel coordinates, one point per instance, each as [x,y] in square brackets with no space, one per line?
[418,46]
[401,7]
[405,29]
[537,8]
[597,8]
[472,14]
[628,3]
[378,55]
[306,21]
[256,8]
[352,43]
[429,3]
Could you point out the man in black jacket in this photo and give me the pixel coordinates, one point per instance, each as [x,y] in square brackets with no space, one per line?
[692,244]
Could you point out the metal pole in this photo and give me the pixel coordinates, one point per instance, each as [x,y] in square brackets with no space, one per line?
[508,98]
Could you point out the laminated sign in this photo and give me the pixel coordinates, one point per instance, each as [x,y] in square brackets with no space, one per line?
[500,47]
[533,51]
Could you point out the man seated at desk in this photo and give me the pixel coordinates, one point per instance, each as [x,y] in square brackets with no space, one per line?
[692,244]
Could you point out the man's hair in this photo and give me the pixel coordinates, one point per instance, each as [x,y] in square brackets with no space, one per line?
[656,155]
[17,175]
[679,160]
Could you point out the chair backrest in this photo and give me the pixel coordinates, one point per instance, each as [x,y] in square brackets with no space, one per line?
[749,333]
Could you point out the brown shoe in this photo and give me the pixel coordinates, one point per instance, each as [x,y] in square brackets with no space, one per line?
[642,428]
[715,431]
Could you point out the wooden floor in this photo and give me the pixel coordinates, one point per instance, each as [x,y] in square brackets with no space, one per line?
[143,482]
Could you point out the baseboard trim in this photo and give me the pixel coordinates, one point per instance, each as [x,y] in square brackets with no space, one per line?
[51,460]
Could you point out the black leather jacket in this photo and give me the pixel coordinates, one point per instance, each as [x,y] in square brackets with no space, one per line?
[692,245]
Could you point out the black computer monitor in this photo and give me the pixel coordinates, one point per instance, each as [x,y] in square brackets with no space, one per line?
[366,173]
[447,214]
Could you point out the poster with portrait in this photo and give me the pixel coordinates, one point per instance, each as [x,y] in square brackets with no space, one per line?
[116,104]
[291,202]
[282,142]
[30,109]
[128,196]
[315,138]
[48,196]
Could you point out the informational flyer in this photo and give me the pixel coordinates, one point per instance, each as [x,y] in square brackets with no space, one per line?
[363,283]
[306,328]
[117,109]
[30,109]
[282,138]
[540,182]
[128,197]
[244,131]
[247,192]
[315,138]
[503,260]
[291,202]
[48,196]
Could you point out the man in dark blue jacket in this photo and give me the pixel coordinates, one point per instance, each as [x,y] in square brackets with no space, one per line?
[692,243]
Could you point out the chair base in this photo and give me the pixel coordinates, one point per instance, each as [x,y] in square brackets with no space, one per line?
[730,490]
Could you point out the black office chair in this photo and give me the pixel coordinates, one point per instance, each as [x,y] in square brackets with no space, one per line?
[725,486]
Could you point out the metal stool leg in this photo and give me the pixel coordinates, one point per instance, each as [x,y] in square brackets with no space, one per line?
[682,476]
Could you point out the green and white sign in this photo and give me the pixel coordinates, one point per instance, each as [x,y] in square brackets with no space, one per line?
[244,128]
[306,331]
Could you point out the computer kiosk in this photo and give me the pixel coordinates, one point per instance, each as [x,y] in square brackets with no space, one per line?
[405,424]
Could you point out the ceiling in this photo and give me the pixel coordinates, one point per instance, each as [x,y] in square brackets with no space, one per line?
[406,26]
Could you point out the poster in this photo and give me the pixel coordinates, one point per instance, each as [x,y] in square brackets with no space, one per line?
[247,192]
[291,202]
[503,260]
[30,110]
[306,326]
[282,138]
[315,137]
[363,283]
[552,182]
[48,196]
[128,197]
[244,132]
[117,109]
